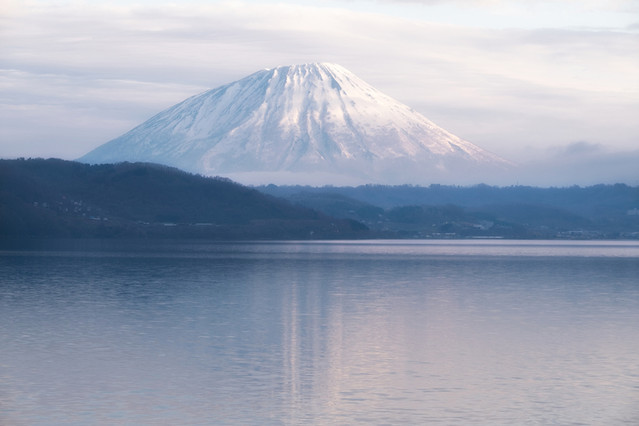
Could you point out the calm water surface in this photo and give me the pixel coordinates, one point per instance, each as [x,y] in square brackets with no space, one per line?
[379,332]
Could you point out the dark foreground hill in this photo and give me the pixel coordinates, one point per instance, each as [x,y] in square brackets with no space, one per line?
[56,198]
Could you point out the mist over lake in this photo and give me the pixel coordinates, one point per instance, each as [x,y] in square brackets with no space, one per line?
[376,332]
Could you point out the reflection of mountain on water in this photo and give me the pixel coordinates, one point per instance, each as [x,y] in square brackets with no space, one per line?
[344,336]
[397,332]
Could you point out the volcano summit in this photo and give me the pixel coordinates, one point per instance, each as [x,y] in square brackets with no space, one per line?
[307,124]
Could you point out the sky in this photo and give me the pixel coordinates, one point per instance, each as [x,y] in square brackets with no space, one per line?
[552,83]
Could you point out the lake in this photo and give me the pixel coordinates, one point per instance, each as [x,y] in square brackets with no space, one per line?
[369,332]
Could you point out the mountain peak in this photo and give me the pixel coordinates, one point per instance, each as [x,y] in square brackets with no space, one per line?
[310,123]
[313,67]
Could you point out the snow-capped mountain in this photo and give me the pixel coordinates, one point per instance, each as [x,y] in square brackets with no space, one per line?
[312,123]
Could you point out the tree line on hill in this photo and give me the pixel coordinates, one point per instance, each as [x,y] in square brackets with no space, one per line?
[599,211]
[56,198]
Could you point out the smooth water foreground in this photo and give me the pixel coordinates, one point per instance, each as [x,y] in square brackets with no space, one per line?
[378,332]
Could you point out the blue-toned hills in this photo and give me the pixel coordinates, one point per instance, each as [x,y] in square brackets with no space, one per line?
[56,198]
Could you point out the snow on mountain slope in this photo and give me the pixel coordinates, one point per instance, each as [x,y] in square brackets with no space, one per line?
[300,123]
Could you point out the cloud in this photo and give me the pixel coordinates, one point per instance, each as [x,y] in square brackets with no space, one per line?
[622,5]
[580,163]
[58,115]
[580,149]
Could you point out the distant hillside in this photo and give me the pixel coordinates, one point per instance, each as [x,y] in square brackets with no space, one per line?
[55,198]
[600,211]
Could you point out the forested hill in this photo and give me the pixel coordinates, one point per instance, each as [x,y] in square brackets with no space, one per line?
[56,198]
[599,211]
